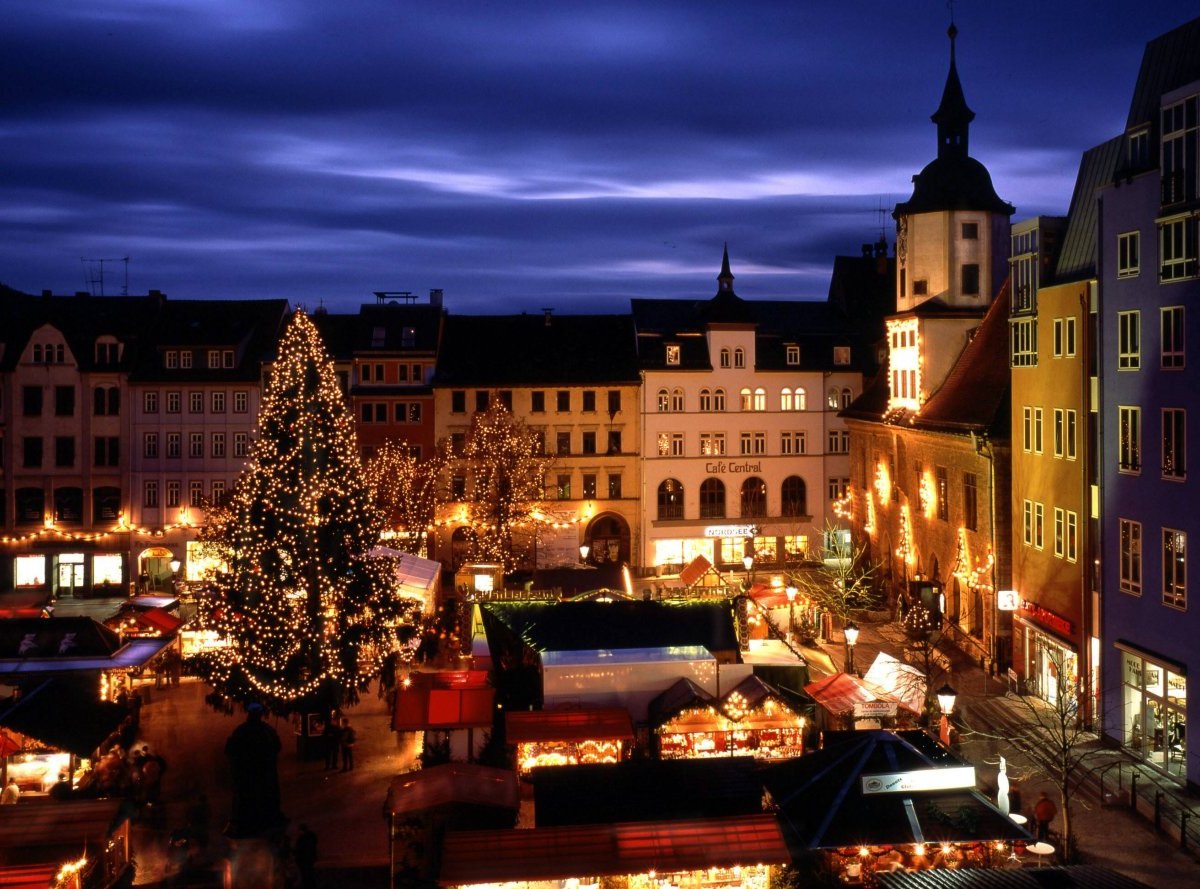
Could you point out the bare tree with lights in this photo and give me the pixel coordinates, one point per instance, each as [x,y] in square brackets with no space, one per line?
[507,465]
[307,620]
[407,490]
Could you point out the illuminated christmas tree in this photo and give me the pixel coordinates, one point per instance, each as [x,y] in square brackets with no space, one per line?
[308,621]
[508,465]
[407,491]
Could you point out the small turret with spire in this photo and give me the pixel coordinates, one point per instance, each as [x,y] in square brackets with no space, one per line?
[725,279]
[953,117]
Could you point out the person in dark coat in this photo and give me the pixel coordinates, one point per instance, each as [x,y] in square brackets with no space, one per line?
[331,736]
[348,739]
[305,853]
[253,751]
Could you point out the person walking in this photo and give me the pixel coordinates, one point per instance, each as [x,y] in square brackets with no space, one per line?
[1044,812]
[346,741]
[331,735]
[305,854]
[10,794]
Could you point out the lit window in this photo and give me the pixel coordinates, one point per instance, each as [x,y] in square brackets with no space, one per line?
[1131,557]
[1129,340]
[1174,568]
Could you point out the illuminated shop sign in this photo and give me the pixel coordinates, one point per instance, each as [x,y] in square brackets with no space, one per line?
[731,531]
[954,778]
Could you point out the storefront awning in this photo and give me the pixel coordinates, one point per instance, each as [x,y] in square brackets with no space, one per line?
[569,724]
[62,715]
[442,701]
[148,620]
[839,693]
[558,853]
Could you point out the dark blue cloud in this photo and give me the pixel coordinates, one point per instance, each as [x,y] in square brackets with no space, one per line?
[520,154]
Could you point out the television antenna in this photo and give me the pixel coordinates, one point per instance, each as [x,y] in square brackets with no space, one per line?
[93,275]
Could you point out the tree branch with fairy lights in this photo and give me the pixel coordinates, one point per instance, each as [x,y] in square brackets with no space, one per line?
[408,491]
[305,619]
[508,465]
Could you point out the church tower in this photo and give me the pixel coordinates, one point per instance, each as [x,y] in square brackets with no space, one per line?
[952,235]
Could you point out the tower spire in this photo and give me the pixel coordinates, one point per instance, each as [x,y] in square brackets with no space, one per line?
[725,279]
[953,117]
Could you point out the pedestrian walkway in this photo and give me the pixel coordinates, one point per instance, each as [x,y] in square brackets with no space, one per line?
[344,809]
[1112,826]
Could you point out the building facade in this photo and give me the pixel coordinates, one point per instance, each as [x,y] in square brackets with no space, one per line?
[743,452]
[1149,277]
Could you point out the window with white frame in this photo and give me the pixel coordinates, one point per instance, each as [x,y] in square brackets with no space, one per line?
[1131,556]
[1129,340]
[706,400]
[792,355]
[676,444]
[196,444]
[174,492]
[1177,249]
[196,402]
[677,400]
[712,444]
[174,445]
[150,494]
[1027,522]
[672,354]
[1060,422]
[1129,254]
[739,357]
[217,445]
[1069,436]
[725,357]
[196,493]
[217,402]
[1174,443]
[241,444]
[718,399]
[838,487]
[1037,430]
[1027,429]
[1039,525]
[1060,532]
[793,443]
[841,356]
[150,445]
[150,402]
[1064,337]
[1072,541]
[174,402]
[663,400]
[214,359]
[1129,445]
[185,360]
[1024,342]
[839,441]
[171,359]
[1171,353]
[1174,567]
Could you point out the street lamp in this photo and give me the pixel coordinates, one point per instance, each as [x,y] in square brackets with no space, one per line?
[748,563]
[851,632]
[946,696]
[791,594]
[584,549]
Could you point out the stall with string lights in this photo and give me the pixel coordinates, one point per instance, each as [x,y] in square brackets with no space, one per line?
[751,719]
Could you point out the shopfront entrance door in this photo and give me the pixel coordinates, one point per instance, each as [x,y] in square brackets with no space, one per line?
[70,579]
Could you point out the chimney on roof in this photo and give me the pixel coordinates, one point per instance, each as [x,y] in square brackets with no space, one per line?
[435,297]
[547,313]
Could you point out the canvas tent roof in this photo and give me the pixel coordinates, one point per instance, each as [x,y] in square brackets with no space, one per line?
[61,714]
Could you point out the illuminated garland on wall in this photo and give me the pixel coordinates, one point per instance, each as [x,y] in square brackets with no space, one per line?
[305,616]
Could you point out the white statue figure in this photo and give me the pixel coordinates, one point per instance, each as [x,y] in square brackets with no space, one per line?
[1002,788]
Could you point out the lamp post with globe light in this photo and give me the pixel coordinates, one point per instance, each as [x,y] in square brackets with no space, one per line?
[946,696]
[851,633]
[748,564]
[791,596]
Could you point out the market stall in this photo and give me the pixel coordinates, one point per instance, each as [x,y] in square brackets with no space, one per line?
[752,719]
[568,736]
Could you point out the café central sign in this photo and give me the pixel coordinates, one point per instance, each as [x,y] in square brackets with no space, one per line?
[725,466]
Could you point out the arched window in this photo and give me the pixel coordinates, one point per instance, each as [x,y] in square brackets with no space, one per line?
[834,399]
[30,505]
[664,401]
[718,399]
[670,500]
[68,505]
[724,358]
[106,504]
[754,498]
[739,357]
[747,400]
[677,400]
[794,496]
[106,401]
[760,399]
[705,399]
[800,399]
[785,399]
[712,499]
[846,397]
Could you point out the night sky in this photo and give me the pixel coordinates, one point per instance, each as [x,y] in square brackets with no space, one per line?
[520,154]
